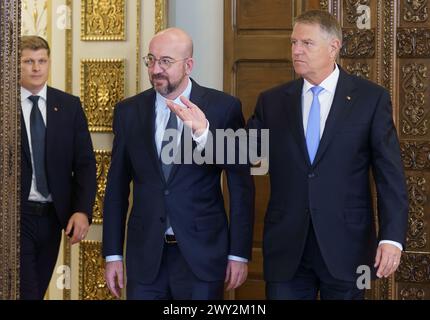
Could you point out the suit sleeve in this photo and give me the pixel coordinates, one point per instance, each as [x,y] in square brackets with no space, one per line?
[388,174]
[241,192]
[117,192]
[84,166]
[254,128]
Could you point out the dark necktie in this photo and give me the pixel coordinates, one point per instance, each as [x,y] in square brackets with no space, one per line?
[171,124]
[38,134]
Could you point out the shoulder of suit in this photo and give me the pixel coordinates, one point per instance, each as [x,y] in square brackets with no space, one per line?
[60,94]
[224,99]
[284,87]
[135,100]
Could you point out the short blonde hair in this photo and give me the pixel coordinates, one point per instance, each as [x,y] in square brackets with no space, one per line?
[324,19]
[33,43]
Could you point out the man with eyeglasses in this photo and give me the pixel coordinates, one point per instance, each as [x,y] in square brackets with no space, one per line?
[58,170]
[180,244]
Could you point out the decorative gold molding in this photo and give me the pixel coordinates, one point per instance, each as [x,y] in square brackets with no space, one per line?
[10,155]
[103,158]
[160,15]
[69,50]
[103,20]
[92,285]
[102,86]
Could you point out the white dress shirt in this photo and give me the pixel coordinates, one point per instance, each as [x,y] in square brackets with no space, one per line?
[26,106]
[325,98]
[162,115]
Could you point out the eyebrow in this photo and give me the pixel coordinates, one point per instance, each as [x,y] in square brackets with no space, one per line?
[162,57]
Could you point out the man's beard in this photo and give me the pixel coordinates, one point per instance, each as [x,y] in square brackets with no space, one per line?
[169,88]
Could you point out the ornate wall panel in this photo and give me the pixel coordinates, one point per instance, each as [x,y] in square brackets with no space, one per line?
[414,98]
[92,285]
[103,158]
[10,137]
[103,20]
[102,86]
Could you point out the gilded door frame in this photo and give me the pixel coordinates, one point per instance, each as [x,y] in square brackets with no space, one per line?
[10,28]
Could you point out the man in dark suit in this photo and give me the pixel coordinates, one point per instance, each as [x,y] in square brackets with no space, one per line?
[180,244]
[58,171]
[327,130]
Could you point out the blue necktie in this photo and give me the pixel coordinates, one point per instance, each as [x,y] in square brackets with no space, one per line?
[313,129]
[38,134]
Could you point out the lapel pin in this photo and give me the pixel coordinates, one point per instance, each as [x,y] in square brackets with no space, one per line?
[348,98]
[55,109]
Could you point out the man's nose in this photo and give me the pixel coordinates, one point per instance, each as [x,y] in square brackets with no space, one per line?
[296,49]
[36,66]
[156,68]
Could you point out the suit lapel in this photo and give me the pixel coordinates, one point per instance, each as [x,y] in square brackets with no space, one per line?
[53,123]
[342,103]
[295,115]
[147,114]
[25,147]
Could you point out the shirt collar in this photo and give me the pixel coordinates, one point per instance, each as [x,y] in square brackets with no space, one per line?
[161,101]
[329,84]
[26,93]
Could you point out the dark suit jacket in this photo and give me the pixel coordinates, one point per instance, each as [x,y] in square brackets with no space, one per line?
[192,195]
[70,161]
[334,193]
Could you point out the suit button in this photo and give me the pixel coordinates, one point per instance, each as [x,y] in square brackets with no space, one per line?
[166,192]
[311,175]
[162,219]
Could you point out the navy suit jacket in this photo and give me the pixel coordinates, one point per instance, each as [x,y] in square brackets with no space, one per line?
[192,195]
[70,161]
[334,193]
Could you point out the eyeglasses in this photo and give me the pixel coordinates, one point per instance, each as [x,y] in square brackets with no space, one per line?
[31,62]
[164,62]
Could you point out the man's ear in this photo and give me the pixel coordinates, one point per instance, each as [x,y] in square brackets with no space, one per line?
[189,65]
[335,46]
